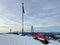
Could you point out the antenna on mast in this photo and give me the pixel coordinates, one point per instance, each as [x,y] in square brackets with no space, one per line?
[23,18]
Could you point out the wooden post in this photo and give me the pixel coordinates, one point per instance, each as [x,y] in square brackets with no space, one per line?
[10,30]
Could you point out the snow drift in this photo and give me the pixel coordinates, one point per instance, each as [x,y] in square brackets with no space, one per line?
[10,39]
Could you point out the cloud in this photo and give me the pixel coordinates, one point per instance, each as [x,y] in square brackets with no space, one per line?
[43,13]
[34,13]
[6,17]
[37,13]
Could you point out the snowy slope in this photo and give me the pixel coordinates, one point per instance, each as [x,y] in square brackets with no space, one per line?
[10,39]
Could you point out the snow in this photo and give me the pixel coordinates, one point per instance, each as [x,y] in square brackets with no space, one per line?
[10,39]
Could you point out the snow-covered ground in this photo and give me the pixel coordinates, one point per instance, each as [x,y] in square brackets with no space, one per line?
[10,39]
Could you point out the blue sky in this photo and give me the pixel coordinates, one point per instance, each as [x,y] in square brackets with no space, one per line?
[39,13]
